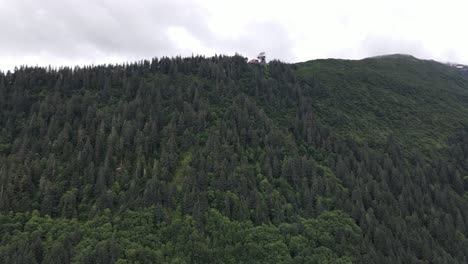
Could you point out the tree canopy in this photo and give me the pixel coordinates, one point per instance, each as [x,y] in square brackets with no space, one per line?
[213,160]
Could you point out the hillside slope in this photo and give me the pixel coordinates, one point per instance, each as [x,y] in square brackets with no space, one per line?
[420,102]
[213,160]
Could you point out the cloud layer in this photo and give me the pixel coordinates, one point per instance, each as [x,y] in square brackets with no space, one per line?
[67,32]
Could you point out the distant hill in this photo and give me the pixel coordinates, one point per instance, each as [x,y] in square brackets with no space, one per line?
[421,102]
[214,160]
[394,56]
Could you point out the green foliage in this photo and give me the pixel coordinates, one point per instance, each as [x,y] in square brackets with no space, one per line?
[135,237]
[422,103]
[182,169]
[213,160]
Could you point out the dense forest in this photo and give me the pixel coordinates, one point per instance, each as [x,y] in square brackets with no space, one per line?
[213,160]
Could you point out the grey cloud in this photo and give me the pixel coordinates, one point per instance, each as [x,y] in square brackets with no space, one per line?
[85,30]
[77,29]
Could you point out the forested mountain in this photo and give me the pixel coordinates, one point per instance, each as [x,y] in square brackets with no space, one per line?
[213,160]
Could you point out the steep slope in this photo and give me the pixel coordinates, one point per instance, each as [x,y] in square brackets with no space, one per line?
[202,160]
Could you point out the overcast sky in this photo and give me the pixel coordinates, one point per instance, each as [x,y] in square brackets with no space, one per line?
[71,32]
